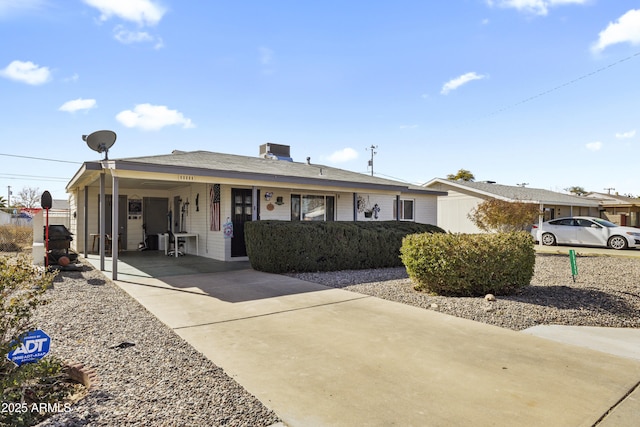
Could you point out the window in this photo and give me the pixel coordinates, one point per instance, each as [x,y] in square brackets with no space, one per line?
[406,210]
[566,221]
[312,208]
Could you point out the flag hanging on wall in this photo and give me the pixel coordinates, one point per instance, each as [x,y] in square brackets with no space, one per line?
[214,196]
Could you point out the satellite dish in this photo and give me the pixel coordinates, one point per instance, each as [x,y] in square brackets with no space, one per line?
[100,141]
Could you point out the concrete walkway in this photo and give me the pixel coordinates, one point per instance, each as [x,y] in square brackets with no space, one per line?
[321,356]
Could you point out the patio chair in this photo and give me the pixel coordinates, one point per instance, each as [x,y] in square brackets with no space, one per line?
[175,244]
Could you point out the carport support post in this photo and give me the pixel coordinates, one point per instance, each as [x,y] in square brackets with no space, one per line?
[103,230]
[254,202]
[355,207]
[115,231]
[85,216]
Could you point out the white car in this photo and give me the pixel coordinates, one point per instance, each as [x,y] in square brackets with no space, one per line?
[585,230]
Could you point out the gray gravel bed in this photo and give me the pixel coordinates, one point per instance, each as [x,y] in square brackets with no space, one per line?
[159,381]
[606,293]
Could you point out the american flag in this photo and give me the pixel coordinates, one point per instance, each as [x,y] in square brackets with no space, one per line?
[214,196]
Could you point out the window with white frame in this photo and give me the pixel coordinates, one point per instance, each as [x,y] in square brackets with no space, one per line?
[406,210]
[308,207]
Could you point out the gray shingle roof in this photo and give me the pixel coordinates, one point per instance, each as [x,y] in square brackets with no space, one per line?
[210,164]
[516,193]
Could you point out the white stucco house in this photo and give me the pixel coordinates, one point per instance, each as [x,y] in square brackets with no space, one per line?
[200,192]
[463,196]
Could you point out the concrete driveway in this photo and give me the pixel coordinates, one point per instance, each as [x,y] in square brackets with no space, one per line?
[321,356]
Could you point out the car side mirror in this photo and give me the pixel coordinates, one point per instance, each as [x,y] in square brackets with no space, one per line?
[595,226]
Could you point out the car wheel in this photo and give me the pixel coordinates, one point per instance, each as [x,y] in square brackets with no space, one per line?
[617,242]
[548,239]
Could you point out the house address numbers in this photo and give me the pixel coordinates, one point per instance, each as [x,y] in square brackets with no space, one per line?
[186,177]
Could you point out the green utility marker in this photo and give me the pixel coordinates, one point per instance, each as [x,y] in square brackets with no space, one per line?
[574,265]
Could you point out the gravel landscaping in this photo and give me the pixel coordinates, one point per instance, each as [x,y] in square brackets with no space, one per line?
[161,380]
[606,293]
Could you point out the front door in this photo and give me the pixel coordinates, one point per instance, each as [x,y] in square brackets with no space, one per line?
[242,208]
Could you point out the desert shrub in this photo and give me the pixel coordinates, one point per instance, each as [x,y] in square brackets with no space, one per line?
[469,264]
[503,216]
[15,238]
[284,246]
[22,288]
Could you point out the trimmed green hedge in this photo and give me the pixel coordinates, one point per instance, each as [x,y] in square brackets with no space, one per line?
[469,264]
[283,246]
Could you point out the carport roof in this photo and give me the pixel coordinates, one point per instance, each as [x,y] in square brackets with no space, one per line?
[210,164]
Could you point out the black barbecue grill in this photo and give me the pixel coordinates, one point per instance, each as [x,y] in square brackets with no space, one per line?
[59,243]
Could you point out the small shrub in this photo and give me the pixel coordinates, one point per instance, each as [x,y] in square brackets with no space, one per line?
[469,264]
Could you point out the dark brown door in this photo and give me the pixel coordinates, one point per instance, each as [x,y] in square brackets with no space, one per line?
[242,208]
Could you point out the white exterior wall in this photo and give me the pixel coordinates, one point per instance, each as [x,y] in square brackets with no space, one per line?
[278,212]
[385,203]
[426,209]
[344,207]
[453,210]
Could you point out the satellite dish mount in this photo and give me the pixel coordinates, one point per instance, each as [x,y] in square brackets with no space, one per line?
[101,141]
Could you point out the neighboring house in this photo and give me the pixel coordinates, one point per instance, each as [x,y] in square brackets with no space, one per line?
[200,192]
[621,210]
[464,196]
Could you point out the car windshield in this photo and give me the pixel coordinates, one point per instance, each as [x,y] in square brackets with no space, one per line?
[604,222]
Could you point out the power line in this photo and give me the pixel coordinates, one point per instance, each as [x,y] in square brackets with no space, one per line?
[50,178]
[546,92]
[40,158]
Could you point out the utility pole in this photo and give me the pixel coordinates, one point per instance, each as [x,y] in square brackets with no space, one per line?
[609,190]
[9,193]
[373,153]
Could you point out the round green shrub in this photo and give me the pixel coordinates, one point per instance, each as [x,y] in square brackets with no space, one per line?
[469,264]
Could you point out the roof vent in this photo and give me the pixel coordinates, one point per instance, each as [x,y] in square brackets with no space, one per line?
[490,182]
[275,152]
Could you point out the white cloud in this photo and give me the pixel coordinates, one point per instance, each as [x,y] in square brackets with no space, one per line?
[625,30]
[625,135]
[153,117]
[26,72]
[142,12]
[344,155]
[73,78]
[459,81]
[537,7]
[594,146]
[125,36]
[77,105]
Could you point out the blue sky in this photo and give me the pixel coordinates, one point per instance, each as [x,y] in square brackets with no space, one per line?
[544,92]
